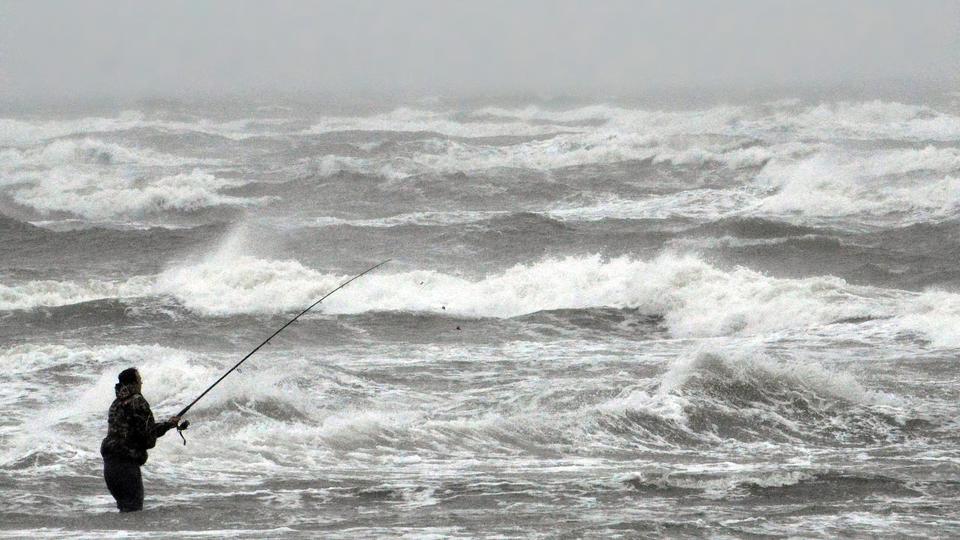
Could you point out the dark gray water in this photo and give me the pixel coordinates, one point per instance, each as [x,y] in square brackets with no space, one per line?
[600,321]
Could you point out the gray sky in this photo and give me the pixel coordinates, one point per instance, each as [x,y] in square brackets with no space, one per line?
[197,47]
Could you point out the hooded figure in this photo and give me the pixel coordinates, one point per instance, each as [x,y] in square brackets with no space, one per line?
[131,432]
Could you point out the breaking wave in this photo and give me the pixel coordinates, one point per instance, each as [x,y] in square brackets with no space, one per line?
[694,298]
[700,401]
[806,184]
[877,120]
[869,120]
[564,150]
[34,294]
[405,119]
[683,288]
[19,132]
[565,323]
[714,396]
[911,185]
[98,196]
[99,180]
[762,173]
[87,151]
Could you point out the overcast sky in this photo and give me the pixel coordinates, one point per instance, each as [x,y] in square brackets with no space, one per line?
[198,47]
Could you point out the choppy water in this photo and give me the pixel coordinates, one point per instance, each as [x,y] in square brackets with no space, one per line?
[601,321]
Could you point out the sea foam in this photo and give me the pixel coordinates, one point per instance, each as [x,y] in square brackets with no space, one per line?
[99,196]
[695,298]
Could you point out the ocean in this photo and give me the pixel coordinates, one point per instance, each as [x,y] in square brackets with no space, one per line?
[600,320]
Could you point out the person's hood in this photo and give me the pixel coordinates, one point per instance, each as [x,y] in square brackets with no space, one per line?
[126,390]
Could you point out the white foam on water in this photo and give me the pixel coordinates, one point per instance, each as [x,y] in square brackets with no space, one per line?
[846,119]
[718,486]
[290,419]
[89,151]
[876,120]
[909,185]
[810,184]
[801,180]
[101,180]
[936,316]
[425,218]
[405,119]
[99,196]
[749,364]
[719,120]
[869,119]
[75,413]
[684,392]
[564,150]
[21,132]
[806,182]
[660,404]
[14,132]
[704,204]
[615,135]
[695,298]
[173,377]
[38,293]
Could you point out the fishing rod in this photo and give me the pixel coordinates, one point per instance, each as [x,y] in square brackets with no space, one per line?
[244,359]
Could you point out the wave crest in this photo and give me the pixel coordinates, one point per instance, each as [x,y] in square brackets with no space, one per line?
[696,298]
[691,297]
[910,185]
[99,196]
[745,395]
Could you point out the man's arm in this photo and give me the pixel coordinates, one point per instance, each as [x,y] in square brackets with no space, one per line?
[147,430]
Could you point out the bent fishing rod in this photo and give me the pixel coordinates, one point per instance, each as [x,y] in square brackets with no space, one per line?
[251,353]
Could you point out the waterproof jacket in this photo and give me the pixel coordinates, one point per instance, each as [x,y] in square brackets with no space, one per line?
[131,428]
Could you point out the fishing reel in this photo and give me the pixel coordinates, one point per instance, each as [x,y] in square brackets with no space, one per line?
[180,428]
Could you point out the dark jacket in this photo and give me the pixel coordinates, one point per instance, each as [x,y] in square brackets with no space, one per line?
[131,428]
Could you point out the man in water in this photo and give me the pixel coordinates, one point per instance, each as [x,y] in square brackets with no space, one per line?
[131,431]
